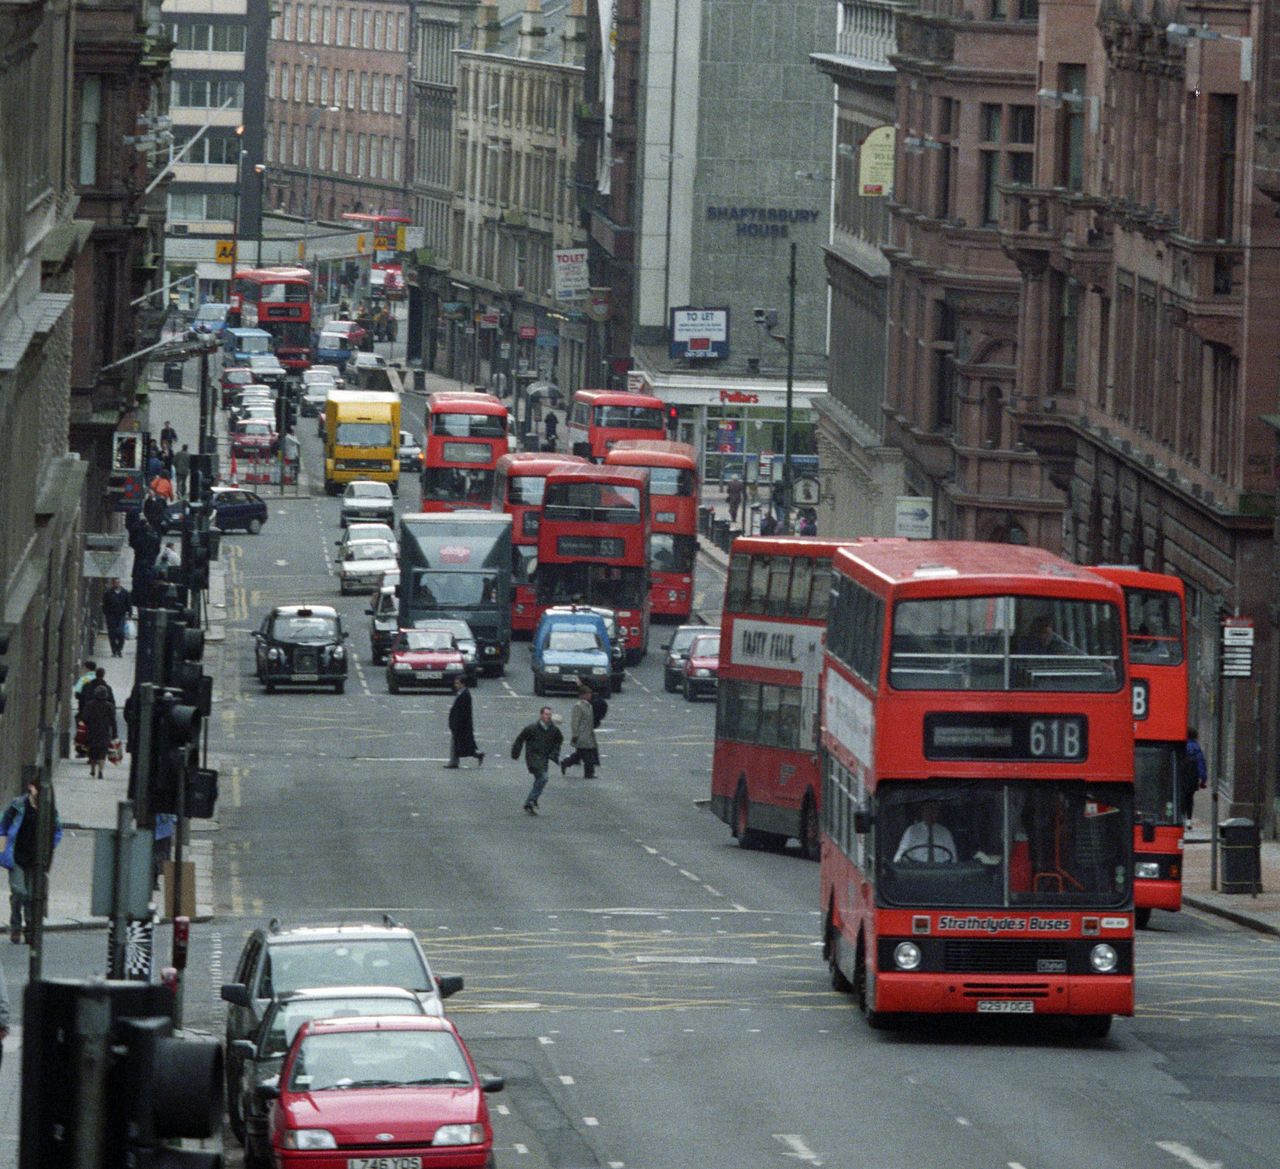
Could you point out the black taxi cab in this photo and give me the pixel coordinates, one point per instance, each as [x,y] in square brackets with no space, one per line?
[303,644]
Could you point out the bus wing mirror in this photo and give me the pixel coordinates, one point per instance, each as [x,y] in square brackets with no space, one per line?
[862,820]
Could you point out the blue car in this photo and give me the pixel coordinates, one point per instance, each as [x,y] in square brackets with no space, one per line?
[569,648]
[233,508]
[211,318]
[331,348]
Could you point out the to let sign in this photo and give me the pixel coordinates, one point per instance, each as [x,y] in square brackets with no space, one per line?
[572,279]
[1237,647]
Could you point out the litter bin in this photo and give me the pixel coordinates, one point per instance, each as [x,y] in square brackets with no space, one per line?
[720,534]
[1238,838]
[173,374]
[704,519]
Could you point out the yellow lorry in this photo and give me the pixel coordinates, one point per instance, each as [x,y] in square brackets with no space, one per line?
[361,438]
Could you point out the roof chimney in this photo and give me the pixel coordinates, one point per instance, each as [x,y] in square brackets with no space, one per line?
[532,30]
[488,26]
[575,33]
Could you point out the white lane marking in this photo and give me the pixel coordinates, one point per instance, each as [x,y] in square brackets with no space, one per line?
[546,1040]
[522,1149]
[692,960]
[590,1121]
[503,1110]
[712,891]
[796,1148]
[1187,1156]
[566,1079]
[963,1121]
[282,564]
[689,875]
[667,861]
[1016,1165]
[637,683]
[617,1164]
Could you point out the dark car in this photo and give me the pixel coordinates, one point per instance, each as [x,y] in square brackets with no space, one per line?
[262,1056]
[276,961]
[384,622]
[233,508]
[677,651]
[302,644]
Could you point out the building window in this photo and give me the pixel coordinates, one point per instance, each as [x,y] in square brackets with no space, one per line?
[364,91]
[999,10]
[377,30]
[1069,335]
[227,38]
[313,25]
[340,36]
[297,83]
[90,120]
[397,160]
[368,29]
[399,95]
[351,89]
[1071,162]
[401,28]
[328,26]
[350,152]
[1028,10]
[386,93]
[990,192]
[311,85]
[991,122]
[286,33]
[1220,155]
[324,86]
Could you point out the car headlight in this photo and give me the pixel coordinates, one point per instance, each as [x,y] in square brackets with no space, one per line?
[701,673]
[401,666]
[1103,958]
[490,650]
[311,1138]
[599,669]
[459,1134]
[906,956]
[453,667]
[274,655]
[551,669]
[339,653]
[1147,870]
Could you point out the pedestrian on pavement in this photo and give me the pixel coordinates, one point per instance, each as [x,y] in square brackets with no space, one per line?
[808,525]
[99,679]
[162,485]
[166,826]
[1195,773]
[168,436]
[18,854]
[117,606]
[169,555]
[182,469]
[462,731]
[582,734]
[540,741]
[99,716]
[155,510]
[768,525]
[733,492]
[90,672]
[4,1014]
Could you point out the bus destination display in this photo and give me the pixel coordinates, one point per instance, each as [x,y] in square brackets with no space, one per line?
[1006,736]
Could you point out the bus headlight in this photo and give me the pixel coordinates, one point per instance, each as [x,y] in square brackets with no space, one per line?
[1103,958]
[1147,870]
[906,956]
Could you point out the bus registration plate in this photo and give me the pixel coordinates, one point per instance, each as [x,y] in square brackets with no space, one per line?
[1006,1007]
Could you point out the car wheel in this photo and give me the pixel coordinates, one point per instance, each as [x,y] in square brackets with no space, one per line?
[255,526]
[268,687]
[339,687]
[688,691]
[393,687]
[616,685]
[539,686]
[669,684]
[234,1113]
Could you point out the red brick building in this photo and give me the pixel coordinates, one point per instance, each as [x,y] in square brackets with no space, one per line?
[1149,325]
[965,126]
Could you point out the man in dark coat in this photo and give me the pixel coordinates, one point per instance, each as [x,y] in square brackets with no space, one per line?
[462,729]
[540,741]
[116,607]
[101,730]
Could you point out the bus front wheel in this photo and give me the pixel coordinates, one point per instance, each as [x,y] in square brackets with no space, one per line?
[838,980]
[875,1019]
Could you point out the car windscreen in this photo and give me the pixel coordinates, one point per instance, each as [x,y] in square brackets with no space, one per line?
[684,638]
[333,341]
[382,1058]
[258,428]
[573,640]
[424,640]
[344,962]
[308,630]
[369,490]
[363,434]
[283,1021]
[253,344]
[371,550]
[212,312]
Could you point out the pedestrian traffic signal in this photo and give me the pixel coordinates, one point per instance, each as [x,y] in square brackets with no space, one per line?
[673,418]
[105,1082]
[174,752]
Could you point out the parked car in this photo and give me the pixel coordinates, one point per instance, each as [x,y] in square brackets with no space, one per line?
[362,564]
[301,644]
[617,643]
[423,657]
[409,454]
[211,318]
[384,621]
[277,961]
[262,1056]
[463,637]
[702,666]
[348,1082]
[254,438]
[366,500]
[233,379]
[569,648]
[678,651]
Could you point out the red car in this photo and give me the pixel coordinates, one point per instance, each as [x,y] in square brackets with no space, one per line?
[702,666]
[392,1090]
[424,657]
[356,333]
[254,438]
[234,378]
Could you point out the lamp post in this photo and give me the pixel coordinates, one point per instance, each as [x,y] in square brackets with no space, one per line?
[309,145]
[791,370]
[235,219]
[261,171]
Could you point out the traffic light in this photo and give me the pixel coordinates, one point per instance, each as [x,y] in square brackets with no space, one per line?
[105,1082]
[175,739]
[183,653]
[673,419]
[6,636]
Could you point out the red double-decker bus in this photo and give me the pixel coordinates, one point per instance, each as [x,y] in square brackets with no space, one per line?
[766,783]
[519,481]
[600,418]
[673,506]
[386,272]
[593,545]
[1156,629]
[977,827]
[277,300]
[466,435]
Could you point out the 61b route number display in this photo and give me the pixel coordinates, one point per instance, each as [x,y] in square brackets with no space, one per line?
[996,736]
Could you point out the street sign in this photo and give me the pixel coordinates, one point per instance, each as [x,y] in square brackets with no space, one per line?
[528,332]
[1237,647]
[913,517]
[224,251]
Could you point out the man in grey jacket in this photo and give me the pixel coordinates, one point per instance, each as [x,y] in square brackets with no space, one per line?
[582,734]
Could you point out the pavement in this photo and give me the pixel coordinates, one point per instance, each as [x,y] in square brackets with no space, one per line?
[1259,911]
